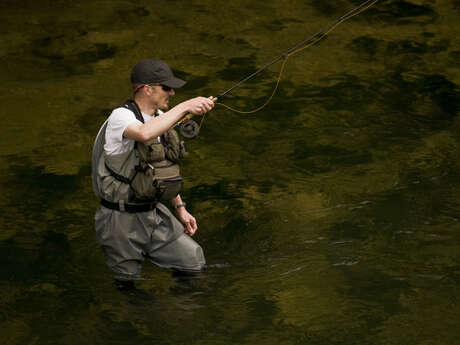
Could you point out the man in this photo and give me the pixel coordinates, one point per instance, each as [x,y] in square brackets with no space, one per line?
[134,160]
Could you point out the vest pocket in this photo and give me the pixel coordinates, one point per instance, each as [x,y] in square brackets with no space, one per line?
[161,181]
[168,189]
[168,180]
[153,151]
[176,149]
[143,184]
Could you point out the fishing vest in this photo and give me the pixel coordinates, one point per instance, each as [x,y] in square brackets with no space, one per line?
[145,175]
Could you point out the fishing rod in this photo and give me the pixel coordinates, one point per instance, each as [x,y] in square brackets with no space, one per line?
[190,129]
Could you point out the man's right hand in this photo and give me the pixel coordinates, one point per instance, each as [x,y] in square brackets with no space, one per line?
[200,105]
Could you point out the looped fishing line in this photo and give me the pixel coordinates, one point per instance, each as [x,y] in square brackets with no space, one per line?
[314,39]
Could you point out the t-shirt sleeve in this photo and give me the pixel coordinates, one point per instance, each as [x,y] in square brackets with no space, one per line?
[118,121]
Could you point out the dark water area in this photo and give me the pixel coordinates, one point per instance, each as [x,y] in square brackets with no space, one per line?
[330,217]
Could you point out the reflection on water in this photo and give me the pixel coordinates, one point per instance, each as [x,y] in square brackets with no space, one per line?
[331,217]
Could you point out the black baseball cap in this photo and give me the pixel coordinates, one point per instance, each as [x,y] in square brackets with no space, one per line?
[153,71]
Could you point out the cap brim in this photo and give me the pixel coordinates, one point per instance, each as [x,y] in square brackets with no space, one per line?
[174,82]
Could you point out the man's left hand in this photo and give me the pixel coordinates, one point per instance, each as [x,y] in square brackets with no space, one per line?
[187,220]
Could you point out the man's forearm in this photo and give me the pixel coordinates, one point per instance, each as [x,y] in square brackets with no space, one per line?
[160,124]
[177,202]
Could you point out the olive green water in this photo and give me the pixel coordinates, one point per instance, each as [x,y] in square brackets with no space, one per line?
[330,217]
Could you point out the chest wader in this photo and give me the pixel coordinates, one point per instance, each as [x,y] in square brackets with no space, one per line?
[133,224]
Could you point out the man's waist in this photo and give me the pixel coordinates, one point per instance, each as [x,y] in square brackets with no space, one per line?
[123,206]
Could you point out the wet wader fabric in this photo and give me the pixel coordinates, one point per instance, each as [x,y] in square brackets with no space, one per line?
[128,238]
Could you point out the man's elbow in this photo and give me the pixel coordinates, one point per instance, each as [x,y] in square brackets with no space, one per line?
[137,134]
[143,136]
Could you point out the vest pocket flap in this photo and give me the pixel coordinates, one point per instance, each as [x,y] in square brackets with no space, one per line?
[153,152]
[167,170]
[167,179]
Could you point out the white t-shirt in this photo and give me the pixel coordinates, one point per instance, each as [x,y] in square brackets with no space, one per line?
[118,121]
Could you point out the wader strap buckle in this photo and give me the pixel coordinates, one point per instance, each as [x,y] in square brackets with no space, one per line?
[121,205]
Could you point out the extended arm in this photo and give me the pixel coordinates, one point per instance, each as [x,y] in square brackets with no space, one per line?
[160,124]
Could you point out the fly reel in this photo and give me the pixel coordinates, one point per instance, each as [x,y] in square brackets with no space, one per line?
[189,129]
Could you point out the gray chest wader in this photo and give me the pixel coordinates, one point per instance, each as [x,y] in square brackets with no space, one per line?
[133,224]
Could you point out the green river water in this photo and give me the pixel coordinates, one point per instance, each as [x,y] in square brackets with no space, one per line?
[331,217]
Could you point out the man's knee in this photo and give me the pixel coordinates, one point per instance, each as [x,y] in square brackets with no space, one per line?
[182,254]
[191,254]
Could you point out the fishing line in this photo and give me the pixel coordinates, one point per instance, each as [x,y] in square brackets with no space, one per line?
[297,48]
[193,128]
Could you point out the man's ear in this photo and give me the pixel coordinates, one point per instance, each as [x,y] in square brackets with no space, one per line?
[150,90]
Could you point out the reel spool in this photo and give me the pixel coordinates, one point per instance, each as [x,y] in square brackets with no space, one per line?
[189,129]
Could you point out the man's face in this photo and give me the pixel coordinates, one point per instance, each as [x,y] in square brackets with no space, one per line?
[160,96]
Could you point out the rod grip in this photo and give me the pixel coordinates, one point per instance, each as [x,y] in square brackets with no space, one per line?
[190,115]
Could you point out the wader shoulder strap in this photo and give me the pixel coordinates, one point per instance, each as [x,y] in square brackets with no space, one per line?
[98,149]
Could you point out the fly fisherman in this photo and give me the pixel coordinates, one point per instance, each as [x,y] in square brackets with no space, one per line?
[134,167]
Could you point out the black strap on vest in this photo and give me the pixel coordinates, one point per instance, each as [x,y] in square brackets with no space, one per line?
[130,208]
[132,105]
[118,177]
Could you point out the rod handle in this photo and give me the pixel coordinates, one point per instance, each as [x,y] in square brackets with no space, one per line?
[188,116]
